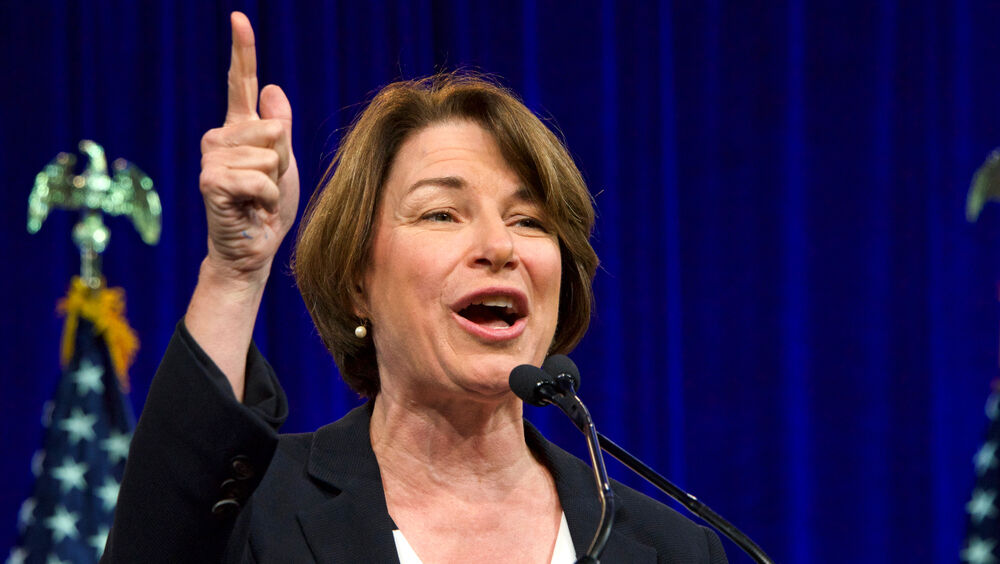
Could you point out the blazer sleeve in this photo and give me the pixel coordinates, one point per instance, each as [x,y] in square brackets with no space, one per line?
[196,457]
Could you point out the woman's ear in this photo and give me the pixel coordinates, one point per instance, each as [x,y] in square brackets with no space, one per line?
[360,301]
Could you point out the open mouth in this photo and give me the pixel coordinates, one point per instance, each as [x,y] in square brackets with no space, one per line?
[495,312]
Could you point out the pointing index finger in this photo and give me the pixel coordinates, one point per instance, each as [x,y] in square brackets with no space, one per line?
[242,72]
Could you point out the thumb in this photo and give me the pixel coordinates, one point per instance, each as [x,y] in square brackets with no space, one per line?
[274,105]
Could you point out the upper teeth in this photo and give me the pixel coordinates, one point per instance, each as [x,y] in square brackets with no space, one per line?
[497,301]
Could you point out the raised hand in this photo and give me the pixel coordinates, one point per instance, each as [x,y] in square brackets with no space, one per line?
[249,178]
[250,184]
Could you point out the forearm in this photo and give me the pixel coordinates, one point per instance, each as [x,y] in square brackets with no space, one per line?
[221,317]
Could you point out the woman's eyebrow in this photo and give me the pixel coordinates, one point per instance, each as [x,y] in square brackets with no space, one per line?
[523,194]
[442,181]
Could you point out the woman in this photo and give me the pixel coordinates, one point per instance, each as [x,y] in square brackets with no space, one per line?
[448,245]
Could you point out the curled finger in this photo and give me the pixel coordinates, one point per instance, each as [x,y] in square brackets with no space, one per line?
[266,133]
[226,188]
[245,157]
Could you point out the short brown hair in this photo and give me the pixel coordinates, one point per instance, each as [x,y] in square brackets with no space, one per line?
[335,238]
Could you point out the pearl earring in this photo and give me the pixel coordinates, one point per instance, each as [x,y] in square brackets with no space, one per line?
[361,331]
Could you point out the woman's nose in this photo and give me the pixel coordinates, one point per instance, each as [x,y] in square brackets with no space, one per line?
[494,246]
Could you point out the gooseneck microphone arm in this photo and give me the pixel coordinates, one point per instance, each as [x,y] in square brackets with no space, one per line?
[535,387]
[567,377]
[574,408]
[693,504]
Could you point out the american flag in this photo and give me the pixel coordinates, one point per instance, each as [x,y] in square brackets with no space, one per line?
[983,524]
[87,431]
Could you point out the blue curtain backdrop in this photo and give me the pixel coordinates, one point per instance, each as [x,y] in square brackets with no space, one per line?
[794,320]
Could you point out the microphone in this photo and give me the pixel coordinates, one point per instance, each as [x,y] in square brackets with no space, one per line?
[533,385]
[565,372]
[536,387]
[566,375]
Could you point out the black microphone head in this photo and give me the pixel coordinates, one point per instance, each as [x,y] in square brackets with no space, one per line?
[525,381]
[559,364]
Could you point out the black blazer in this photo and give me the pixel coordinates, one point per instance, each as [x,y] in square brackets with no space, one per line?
[208,479]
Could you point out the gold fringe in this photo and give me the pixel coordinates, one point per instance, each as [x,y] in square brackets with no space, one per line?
[105,308]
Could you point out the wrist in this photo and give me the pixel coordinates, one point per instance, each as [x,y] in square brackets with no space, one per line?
[223,297]
[230,282]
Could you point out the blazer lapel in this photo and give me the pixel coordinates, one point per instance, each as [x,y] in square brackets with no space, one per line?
[578,496]
[353,526]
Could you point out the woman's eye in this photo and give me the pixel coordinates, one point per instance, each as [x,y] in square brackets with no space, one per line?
[531,223]
[439,216]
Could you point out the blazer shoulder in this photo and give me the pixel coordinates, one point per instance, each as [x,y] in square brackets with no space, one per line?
[653,523]
[638,517]
[295,446]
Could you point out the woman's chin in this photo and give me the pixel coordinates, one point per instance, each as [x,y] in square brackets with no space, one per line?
[489,388]
[491,376]
[488,392]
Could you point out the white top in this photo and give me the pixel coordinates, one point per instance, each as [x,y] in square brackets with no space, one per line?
[564,553]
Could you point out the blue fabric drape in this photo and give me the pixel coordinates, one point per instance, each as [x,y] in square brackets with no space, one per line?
[794,321]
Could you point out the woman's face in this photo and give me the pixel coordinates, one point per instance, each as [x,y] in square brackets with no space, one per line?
[464,278]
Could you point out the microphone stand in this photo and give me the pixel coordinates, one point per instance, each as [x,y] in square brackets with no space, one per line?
[567,378]
[693,504]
